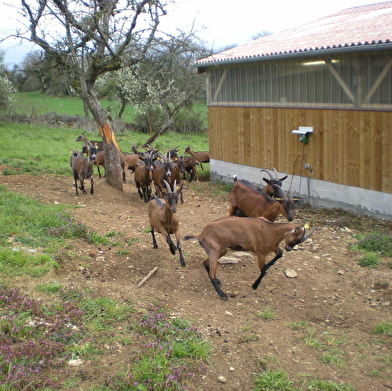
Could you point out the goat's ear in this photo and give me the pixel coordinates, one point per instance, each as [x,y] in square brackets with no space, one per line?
[283,178]
[267,180]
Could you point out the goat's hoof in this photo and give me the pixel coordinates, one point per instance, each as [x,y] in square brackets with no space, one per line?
[224,297]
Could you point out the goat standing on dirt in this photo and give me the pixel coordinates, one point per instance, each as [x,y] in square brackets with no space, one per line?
[162,172]
[190,167]
[128,162]
[245,201]
[163,219]
[177,172]
[82,168]
[257,235]
[142,175]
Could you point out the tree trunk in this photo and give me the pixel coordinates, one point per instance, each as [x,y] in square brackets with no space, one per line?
[113,168]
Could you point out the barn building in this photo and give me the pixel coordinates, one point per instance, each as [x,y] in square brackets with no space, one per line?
[315,103]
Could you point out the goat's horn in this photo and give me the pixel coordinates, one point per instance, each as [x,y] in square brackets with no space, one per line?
[175,186]
[309,234]
[276,173]
[167,187]
[267,173]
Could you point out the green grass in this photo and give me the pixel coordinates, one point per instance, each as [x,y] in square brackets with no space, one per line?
[38,340]
[383,328]
[376,242]
[37,150]
[369,260]
[36,103]
[32,233]
[268,314]
[273,381]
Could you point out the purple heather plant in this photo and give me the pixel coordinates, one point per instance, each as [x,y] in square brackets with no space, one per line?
[157,367]
[32,338]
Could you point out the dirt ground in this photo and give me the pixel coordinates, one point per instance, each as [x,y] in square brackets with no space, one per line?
[339,300]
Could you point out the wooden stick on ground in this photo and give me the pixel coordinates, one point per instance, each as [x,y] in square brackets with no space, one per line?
[147,276]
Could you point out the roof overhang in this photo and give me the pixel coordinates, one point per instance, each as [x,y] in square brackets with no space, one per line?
[202,66]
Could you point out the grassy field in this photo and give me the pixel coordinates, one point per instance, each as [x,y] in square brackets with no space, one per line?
[37,149]
[36,103]
[26,351]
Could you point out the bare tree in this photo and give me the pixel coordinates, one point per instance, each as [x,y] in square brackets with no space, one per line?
[88,38]
[165,81]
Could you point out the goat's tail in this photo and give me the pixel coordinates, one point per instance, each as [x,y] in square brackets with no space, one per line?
[235,178]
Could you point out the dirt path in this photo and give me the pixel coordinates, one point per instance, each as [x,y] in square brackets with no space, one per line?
[338,299]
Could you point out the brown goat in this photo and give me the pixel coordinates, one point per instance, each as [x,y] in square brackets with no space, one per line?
[82,168]
[186,164]
[201,157]
[246,202]
[83,139]
[257,235]
[177,172]
[100,161]
[163,219]
[99,158]
[143,177]
[162,172]
[128,162]
[271,188]
[190,167]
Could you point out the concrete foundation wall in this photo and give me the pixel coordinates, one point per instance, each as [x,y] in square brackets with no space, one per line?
[317,193]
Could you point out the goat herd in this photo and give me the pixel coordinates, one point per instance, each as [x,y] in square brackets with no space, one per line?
[250,225]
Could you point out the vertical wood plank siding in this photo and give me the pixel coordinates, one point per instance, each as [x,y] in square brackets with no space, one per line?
[348,147]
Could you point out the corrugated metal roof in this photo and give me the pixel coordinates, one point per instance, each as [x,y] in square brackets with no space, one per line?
[353,27]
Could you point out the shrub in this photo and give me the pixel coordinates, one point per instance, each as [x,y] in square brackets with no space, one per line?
[369,260]
[377,242]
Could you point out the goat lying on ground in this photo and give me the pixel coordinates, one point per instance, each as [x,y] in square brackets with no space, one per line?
[201,157]
[245,201]
[163,219]
[82,168]
[257,235]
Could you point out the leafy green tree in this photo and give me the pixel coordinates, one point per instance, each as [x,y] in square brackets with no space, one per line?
[88,38]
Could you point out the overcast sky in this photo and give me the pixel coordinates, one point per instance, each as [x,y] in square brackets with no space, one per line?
[218,23]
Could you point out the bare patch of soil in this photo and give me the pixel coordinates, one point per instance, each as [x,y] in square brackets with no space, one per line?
[338,299]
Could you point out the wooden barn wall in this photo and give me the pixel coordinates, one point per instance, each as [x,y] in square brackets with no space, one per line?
[347,147]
